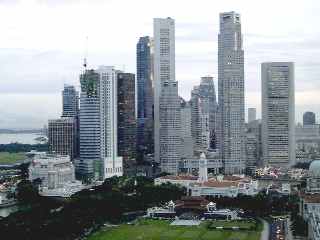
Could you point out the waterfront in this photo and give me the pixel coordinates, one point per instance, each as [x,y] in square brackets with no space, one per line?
[25,138]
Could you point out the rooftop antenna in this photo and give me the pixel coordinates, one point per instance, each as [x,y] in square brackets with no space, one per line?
[85,54]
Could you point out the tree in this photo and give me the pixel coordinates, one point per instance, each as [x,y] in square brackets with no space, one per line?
[27,193]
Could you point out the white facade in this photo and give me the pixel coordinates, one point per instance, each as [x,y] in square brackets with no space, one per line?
[191,164]
[221,186]
[111,162]
[203,168]
[167,124]
[224,188]
[231,93]
[98,125]
[183,180]
[54,171]
[278,124]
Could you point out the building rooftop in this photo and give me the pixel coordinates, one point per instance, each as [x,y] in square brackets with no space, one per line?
[221,184]
[311,198]
[180,177]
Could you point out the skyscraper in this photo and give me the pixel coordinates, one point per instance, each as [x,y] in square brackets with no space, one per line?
[111,163]
[70,101]
[62,136]
[186,133]
[98,125]
[167,122]
[89,125]
[251,114]
[204,114]
[145,96]
[127,126]
[70,108]
[278,124]
[231,93]
[309,118]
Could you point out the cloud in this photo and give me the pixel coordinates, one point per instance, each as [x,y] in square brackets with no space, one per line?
[43,44]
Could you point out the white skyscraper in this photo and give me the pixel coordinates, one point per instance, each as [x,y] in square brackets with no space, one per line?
[167,132]
[231,93]
[111,162]
[278,124]
[98,125]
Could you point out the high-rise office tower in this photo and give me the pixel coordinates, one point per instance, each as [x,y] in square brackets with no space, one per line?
[251,114]
[145,140]
[89,125]
[70,108]
[167,122]
[204,114]
[309,118]
[231,93]
[253,146]
[70,101]
[62,136]
[127,126]
[278,123]
[186,135]
[111,163]
[98,125]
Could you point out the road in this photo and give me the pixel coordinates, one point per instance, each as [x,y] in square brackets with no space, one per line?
[278,229]
[265,234]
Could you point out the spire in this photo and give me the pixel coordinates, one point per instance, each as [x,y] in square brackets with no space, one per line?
[85,54]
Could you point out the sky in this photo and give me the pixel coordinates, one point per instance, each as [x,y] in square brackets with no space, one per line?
[43,43]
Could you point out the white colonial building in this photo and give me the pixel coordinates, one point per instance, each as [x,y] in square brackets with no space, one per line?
[57,175]
[218,186]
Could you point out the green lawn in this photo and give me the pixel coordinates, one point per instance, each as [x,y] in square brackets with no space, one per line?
[161,230]
[10,158]
[241,224]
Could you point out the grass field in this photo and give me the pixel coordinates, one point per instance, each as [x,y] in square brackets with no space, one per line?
[161,230]
[241,224]
[10,158]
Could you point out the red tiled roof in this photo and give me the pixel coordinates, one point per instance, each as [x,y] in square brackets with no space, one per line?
[311,198]
[232,178]
[221,184]
[180,177]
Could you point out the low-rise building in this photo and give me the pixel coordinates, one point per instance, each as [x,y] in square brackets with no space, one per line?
[56,173]
[183,180]
[223,186]
[219,186]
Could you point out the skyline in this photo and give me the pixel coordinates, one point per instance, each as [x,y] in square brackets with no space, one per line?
[36,61]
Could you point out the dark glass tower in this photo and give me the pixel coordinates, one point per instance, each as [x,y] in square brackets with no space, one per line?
[309,118]
[144,97]
[127,126]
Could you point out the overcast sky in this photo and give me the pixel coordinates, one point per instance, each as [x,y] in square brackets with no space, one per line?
[42,46]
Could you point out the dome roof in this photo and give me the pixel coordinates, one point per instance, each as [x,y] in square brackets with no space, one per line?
[314,168]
